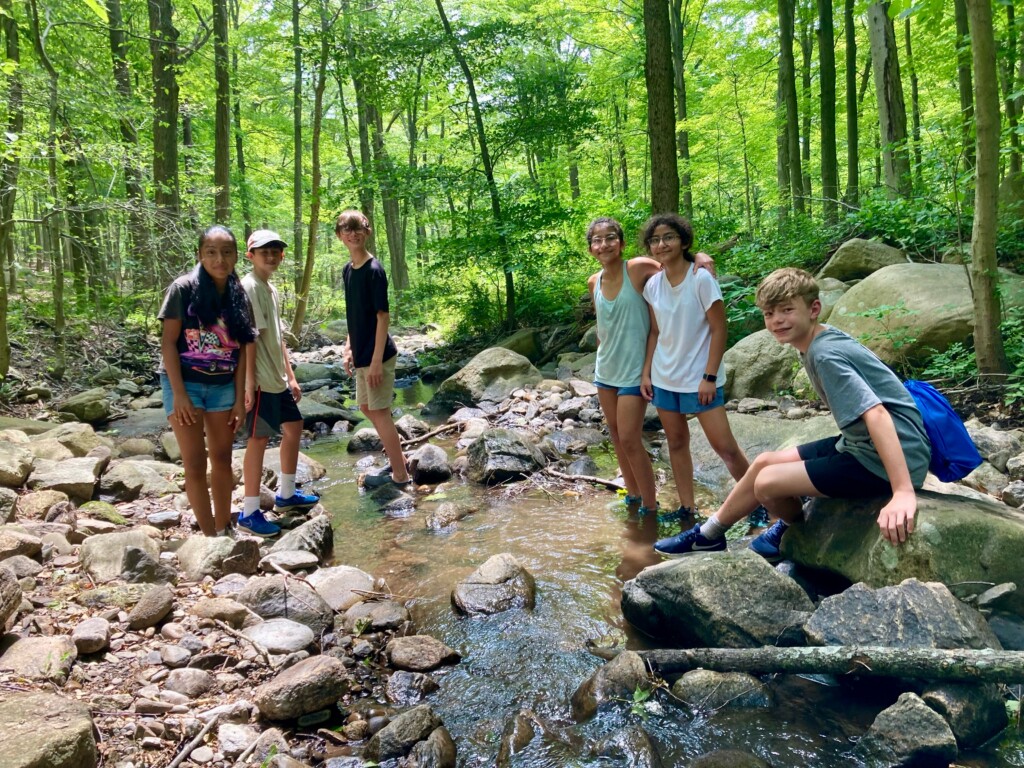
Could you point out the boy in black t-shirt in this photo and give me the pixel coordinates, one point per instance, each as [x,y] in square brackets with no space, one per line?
[369,350]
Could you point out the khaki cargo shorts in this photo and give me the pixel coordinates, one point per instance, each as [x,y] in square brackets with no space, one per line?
[376,398]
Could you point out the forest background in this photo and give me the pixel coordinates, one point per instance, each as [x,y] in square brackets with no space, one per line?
[480,137]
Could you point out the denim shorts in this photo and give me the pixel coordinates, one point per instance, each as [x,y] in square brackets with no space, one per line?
[620,391]
[205,397]
[686,402]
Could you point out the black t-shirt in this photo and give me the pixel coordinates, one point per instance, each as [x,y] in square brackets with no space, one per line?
[208,353]
[366,294]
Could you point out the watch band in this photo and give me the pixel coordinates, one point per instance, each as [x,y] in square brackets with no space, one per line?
[711,377]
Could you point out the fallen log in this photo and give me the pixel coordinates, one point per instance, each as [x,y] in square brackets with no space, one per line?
[963,665]
[586,479]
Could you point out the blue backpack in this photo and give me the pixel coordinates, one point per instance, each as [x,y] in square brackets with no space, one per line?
[953,453]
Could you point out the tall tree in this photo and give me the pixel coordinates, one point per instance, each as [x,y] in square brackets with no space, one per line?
[10,165]
[963,79]
[297,137]
[892,113]
[243,181]
[988,344]
[222,120]
[805,13]
[852,104]
[163,46]
[787,83]
[681,47]
[1008,78]
[827,78]
[661,120]
[915,106]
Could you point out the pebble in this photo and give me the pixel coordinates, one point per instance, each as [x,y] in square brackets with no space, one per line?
[202,755]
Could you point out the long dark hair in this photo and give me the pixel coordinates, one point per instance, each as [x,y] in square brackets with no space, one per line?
[208,305]
[682,227]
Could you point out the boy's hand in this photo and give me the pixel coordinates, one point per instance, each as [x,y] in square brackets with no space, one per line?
[646,388]
[705,392]
[896,520]
[346,361]
[295,389]
[250,398]
[375,375]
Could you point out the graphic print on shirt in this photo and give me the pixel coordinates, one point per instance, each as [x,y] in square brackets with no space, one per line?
[210,350]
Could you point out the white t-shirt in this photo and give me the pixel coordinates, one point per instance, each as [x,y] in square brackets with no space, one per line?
[684,334]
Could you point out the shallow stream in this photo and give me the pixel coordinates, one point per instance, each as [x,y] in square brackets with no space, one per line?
[580,548]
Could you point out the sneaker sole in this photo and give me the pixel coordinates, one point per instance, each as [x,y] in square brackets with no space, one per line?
[291,507]
[261,535]
[773,559]
[691,552]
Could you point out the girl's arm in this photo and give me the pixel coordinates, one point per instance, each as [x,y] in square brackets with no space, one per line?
[591,287]
[239,408]
[646,387]
[719,335]
[184,411]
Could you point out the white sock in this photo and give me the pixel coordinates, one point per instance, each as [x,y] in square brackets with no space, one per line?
[286,485]
[250,504]
[713,529]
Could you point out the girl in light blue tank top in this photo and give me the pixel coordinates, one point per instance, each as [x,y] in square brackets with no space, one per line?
[623,323]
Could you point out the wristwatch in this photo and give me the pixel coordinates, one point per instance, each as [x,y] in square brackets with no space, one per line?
[710,377]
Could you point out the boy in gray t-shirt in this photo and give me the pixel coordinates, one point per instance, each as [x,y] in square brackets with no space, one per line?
[882,450]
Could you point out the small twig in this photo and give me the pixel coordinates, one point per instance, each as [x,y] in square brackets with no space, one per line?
[587,479]
[259,648]
[194,743]
[290,575]
[438,431]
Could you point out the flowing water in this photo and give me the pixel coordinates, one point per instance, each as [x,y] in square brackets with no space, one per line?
[580,548]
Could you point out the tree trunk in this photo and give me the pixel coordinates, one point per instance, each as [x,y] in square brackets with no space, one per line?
[915,108]
[188,147]
[661,120]
[620,147]
[1008,75]
[243,184]
[163,46]
[10,165]
[297,138]
[988,343]
[781,156]
[390,203]
[787,82]
[366,115]
[892,114]
[677,17]
[746,160]
[827,75]
[807,51]
[963,79]
[485,159]
[852,123]
[222,120]
[960,665]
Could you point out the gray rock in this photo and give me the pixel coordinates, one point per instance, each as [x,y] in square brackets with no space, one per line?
[168,518]
[408,688]
[335,585]
[140,566]
[38,658]
[419,653]
[10,595]
[91,406]
[35,504]
[16,541]
[703,690]
[316,536]
[409,426]
[75,477]
[499,455]
[447,514]
[365,440]
[137,446]
[996,446]
[1013,494]
[131,479]
[80,439]
[908,733]
[585,466]
[500,584]
[312,684]
[856,259]
[633,746]
[374,616]
[234,738]
[759,366]
[44,730]
[103,555]
[91,635]
[975,713]
[616,680]
[51,450]
[169,443]
[717,600]
[152,608]
[306,372]
[280,635]
[224,609]
[289,560]
[430,465]
[987,479]
[272,596]
[492,375]
[398,737]
[190,682]
[174,656]
[22,567]
[436,751]
[15,464]
[202,556]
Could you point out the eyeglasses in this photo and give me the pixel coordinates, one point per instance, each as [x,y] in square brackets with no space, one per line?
[606,240]
[662,240]
[354,228]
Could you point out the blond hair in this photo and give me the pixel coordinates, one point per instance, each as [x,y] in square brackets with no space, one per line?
[785,284]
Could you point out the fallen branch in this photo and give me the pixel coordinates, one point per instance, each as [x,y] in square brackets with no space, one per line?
[259,648]
[586,479]
[962,665]
[438,431]
[194,743]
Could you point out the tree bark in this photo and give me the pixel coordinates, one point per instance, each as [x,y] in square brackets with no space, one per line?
[678,13]
[988,343]
[963,79]
[958,665]
[1008,77]
[661,121]
[852,115]
[782,176]
[892,113]
[787,83]
[243,184]
[10,166]
[222,115]
[827,76]
[390,203]
[915,107]
[807,51]
[746,159]
[297,138]
[620,149]
[163,46]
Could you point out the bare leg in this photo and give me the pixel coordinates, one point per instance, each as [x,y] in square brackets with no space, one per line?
[381,420]
[252,468]
[677,433]
[192,444]
[781,478]
[291,434]
[715,424]
[219,437]
[625,417]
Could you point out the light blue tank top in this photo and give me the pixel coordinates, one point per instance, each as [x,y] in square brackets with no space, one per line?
[622,325]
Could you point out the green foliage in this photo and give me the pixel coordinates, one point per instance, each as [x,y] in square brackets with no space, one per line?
[898,336]
[919,226]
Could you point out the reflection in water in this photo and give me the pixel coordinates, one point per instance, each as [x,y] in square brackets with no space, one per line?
[638,537]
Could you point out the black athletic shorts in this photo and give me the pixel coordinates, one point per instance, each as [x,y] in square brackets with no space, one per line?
[839,475]
[271,410]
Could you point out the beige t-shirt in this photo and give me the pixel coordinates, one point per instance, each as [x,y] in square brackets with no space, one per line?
[271,375]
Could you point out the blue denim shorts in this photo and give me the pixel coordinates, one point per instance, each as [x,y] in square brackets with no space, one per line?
[620,391]
[205,397]
[686,402]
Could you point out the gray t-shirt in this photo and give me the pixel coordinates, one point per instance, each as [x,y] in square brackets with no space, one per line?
[850,379]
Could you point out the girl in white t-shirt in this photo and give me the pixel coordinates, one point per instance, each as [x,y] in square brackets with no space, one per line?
[683,372]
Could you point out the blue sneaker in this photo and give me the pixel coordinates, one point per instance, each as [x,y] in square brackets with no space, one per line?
[296,501]
[688,543]
[630,501]
[768,543]
[682,515]
[258,525]
[759,518]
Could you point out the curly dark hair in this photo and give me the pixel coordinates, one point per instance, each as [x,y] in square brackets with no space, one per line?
[605,221]
[208,305]
[682,227]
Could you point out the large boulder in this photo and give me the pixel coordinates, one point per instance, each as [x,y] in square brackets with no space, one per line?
[130,479]
[856,259]
[975,712]
[44,730]
[957,540]
[46,659]
[103,555]
[313,684]
[933,309]
[306,471]
[525,342]
[400,735]
[909,733]
[272,597]
[203,556]
[717,600]
[492,375]
[91,406]
[77,438]
[315,536]
[616,680]
[500,584]
[501,454]
[75,477]
[15,464]
[759,366]
[341,586]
